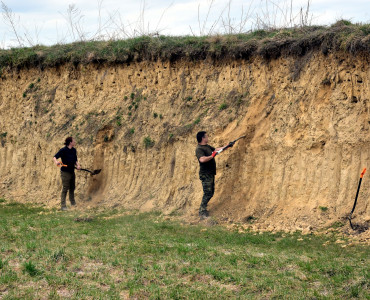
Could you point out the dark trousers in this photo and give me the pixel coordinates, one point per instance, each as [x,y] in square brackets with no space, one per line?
[69,185]
[208,183]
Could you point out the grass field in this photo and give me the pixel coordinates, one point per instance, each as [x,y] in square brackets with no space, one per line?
[113,254]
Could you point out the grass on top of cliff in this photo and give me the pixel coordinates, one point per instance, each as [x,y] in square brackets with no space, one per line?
[105,254]
[270,44]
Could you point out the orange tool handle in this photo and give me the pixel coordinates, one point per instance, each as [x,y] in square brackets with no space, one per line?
[363,173]
[61,165]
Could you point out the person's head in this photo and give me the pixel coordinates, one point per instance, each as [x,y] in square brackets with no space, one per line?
[202,137]
[70,141]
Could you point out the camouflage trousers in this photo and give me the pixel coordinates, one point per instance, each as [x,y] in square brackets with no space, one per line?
[69,184]
[208,183]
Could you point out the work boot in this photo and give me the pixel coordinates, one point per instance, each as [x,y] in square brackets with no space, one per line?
[64,208]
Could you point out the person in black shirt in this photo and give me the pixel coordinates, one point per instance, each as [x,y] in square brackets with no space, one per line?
[207,170]
[68,154]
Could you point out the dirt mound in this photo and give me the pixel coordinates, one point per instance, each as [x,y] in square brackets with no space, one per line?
[306,121]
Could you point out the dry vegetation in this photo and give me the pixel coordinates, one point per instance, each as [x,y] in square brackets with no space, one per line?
[271,44]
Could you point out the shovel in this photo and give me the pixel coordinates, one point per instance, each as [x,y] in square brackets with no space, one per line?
[86,170]
[354,205]
[91,172]
[230,144]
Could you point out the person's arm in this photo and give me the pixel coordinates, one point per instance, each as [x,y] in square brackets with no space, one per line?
[56,156]
[77,164]
[205,159]
[219,148]
[56,161]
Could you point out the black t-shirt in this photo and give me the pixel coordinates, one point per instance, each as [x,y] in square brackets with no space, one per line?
[69,158]
[208,167]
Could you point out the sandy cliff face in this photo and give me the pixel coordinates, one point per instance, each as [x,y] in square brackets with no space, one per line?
[306,120]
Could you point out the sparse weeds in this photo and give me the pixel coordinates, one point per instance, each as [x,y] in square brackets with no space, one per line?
[365,29]
[148,142]
[119,120]
[223,106]
[3,138]
[323,208]
[59,255]
[337,224]
[326,81]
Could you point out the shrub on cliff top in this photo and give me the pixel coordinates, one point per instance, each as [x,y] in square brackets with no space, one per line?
[270,44]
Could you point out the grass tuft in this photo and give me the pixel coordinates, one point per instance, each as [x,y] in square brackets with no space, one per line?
[30,268]
[148,142]
[222,106]
[2,264]
[323,208]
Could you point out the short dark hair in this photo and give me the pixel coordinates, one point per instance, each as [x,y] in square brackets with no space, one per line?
[68,141]
[200,135]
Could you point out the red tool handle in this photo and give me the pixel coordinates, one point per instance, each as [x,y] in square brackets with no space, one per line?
[363,173]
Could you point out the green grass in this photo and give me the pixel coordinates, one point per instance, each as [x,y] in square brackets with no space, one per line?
[222,106]
[112,254]
[343,35]
[148,142]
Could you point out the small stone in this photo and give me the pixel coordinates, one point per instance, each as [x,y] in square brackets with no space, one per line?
[307,230]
